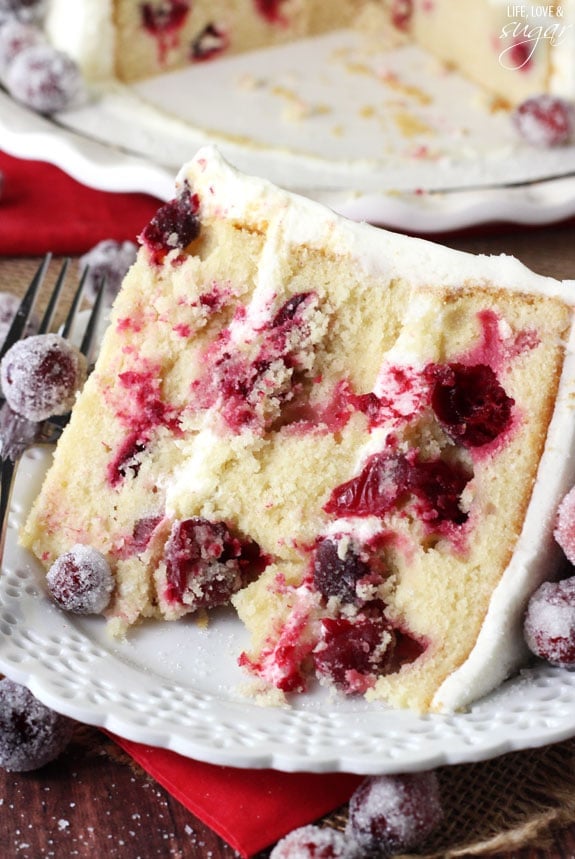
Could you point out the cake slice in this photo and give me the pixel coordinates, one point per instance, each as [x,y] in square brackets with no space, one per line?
[357,438]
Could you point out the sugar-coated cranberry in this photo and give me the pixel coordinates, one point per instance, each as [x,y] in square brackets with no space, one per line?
[164,16]
[470,402]
[315,842]
[337,569]
[41,376]
[565,525]
[29,11]
[44,79]
[81,581]
[206,563]
[545,120]
[549,626]
[16,36]
[389,814]
[31,734]
[209,43]
[353,652]
[174,225]
[391,478]
[109,261]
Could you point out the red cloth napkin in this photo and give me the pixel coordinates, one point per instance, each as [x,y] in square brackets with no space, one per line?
[250,809]
[42,209]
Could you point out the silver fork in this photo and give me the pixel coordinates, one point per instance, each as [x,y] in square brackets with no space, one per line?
[50,429]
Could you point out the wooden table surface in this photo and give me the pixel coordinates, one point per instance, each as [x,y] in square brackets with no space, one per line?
[93,802]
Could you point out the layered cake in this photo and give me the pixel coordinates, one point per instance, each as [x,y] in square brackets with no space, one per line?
[515,50]
[357,439]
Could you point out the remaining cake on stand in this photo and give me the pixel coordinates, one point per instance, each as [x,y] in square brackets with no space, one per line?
[358,438]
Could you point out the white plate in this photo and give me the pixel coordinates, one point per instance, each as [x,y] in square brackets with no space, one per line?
[177,686]
[387,137]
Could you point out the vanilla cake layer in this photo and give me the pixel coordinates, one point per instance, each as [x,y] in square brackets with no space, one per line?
[358,438]
[515,50]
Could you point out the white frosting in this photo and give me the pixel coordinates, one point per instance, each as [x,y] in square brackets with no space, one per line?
[224,192]
[86,32]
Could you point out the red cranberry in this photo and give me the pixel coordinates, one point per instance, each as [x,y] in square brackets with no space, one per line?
[353,652]
[174,225]
[469,402]
[550,622]
[44,79]
[16,36]
[315,842]
[401,12]
[109,261]
[565,525]
[206,563]
[271,10]
[388,479]
[337,573]
[209,43]
[165,16]
[41,376]
[545,121]
[80,581]
[390,814]
[31,735]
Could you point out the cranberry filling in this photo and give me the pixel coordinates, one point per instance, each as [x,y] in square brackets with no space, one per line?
[165,16]
[389,479]
[337,576]
[469,402]
[174,225]
[206,563]
[209,43]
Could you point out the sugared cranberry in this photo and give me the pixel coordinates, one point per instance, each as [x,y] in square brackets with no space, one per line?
[545,121]
[16,36]
[565,525]
[353,652]
[174,225]
[164,16]
[209,43]
[44,79]
[206,563]
[550,622]
[109,261]
[41,376]
[31,735]
[337,569]
[81,581]
[469,402]
[389,479]
[28,11]
[390,814]
[315,842]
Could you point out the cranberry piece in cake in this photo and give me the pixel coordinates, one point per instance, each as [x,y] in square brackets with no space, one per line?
[109,261]
[44,79]
[550,622]
[545,121]
[41,376]
[31,735]
[390,814]
[469,402]
[206,563]
[315,842]
[174,225]
[209,43]
[80,581]
[337,570]
[401,12]
[165,16]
